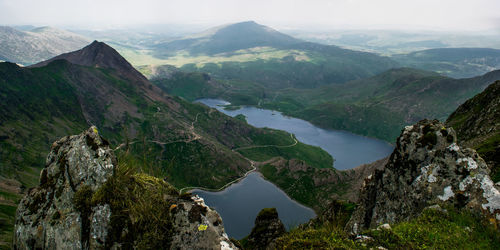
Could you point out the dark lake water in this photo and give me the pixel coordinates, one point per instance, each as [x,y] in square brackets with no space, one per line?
[240,203]
[348,150]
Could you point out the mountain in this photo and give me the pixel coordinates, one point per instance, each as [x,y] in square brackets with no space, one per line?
[184,143]
[100,55]
[477,123]
[28,47]
[228,38]
[453,62]
[251,52]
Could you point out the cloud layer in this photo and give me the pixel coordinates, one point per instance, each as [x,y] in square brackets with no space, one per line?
[462,15]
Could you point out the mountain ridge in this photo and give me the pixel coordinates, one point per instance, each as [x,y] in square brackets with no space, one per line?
[454,62]
[35,45]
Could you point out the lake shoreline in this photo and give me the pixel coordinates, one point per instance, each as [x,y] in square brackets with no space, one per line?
[348,149]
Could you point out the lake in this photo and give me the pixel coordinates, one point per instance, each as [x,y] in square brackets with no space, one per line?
[348,150]
[240,203]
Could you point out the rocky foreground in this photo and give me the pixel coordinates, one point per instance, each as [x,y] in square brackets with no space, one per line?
[427,168]
[88,200]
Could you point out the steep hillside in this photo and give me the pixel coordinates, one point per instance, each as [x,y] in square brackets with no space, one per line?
[188,144]
[28,47]
[477,123]
[377,106]
[387,101]
[101,88]
[453,62]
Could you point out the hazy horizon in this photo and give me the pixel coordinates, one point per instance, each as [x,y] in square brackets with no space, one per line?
[443,16]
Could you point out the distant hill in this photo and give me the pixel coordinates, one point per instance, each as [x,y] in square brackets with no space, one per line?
[252,52]
[28,47]
[453,62]
[227,38]
[377,106]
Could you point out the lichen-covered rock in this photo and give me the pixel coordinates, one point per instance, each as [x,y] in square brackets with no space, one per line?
[267,228]
[198,226]
[86,200]
[47,216]
[427,167]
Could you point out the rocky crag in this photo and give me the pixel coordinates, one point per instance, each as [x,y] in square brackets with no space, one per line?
[267,228]
[426,168]
[88,200]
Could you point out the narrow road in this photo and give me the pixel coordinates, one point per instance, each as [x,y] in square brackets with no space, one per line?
[191,128]
[252,163]
[277,146]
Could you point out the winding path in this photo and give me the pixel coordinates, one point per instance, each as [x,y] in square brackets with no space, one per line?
[197,137]
[191,128]
[277,146]
[252,163]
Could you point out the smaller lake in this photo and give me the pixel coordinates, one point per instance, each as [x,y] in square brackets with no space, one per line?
[240,203]
[348,150]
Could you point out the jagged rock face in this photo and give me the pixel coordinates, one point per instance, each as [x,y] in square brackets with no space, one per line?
[46,217]
[69,209]
[426,167]
[267,228]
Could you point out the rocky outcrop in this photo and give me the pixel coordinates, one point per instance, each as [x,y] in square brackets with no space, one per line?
[47,217]
[477,123]
[267,228]
[427,167]
[86,200]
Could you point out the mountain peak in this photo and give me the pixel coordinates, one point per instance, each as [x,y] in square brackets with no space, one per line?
[228,38]
[99,55]
[96,54]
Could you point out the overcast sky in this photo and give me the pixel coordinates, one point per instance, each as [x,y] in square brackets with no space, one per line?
[453,15]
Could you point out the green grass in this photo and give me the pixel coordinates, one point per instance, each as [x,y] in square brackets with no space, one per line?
[138,202]
[431,230]
[437,230]
[489,145]
[312,155]
[325,237]
[300,186]
[7,217]
[488,149]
